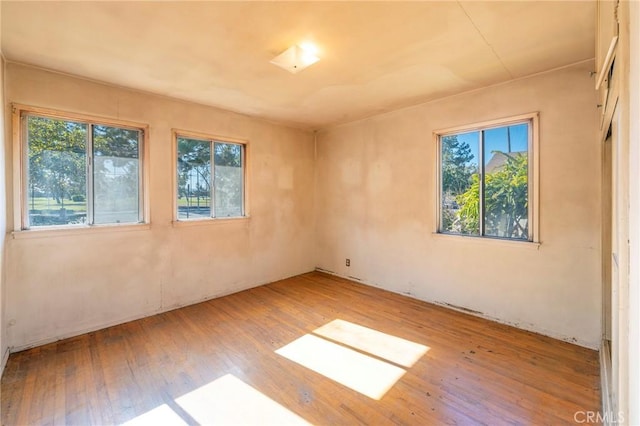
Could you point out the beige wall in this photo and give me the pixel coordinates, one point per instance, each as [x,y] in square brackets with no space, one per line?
[66,284]
[4,354]
[634,214]
[625,343]
[376,204]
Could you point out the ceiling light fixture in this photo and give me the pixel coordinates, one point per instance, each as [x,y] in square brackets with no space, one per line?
[296,58]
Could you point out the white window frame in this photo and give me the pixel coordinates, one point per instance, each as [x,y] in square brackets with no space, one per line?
[178,133]
[20,168]
[533,172]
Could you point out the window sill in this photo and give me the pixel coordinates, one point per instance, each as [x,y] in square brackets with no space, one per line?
[78,230]
[530,245]
[212,221]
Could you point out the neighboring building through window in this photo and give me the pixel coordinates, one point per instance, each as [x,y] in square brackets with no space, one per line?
[80,173]
[486,180]
[210,178]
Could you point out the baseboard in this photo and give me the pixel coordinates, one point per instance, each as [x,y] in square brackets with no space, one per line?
[165,308]
[605,383]
[519,325]
[3,362]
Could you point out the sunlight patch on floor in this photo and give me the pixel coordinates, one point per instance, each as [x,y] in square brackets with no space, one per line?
[230,401]
[161,415]
[395,349]
[369,376]
[225,401]
[358,357]
[363,359]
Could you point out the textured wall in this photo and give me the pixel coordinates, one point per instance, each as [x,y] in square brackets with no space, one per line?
[61,285]
[376,202]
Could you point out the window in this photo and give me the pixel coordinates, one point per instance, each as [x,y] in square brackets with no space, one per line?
[210,178]
[78,172]
[486,180]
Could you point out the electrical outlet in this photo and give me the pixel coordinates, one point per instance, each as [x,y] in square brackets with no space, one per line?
[348,262]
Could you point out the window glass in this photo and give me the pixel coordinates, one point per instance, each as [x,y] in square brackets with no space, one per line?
[209,170]
[489,197]
[460,184]
[116,175]
[81,173]
[56,176]
[506,180]
[228,180]
[194,178]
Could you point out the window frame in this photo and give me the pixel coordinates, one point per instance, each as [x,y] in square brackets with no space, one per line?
[212,139]
[21,169]
[533,174]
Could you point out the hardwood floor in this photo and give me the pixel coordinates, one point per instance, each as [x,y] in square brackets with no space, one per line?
[197,361]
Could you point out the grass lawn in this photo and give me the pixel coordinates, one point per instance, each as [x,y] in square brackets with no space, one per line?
[184,201]
[44,203]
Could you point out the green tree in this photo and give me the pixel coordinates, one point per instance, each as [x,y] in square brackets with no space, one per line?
[115,142]
[468,216]
[194,156]
[57,158]
[457,173]
[228,154]
[456,165]
[505,200]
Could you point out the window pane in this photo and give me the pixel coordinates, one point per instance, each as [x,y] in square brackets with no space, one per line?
[506,182]
[228,180]
[116,175]
[56,181]
[460,184]
[194,179]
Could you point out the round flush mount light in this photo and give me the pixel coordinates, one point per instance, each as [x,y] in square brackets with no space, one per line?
[297,57]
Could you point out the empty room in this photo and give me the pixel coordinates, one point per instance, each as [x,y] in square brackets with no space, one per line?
[356,212]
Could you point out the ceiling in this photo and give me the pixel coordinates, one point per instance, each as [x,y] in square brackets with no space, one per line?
[375,56]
